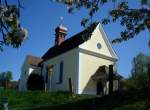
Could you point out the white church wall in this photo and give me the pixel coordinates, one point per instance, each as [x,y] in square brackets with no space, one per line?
[70,70]
[23,77]
[30,70]
[94,53]
[34,69]
[88,65]
[26,70]
[98,43]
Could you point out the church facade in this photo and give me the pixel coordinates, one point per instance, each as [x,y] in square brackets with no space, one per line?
[79,63]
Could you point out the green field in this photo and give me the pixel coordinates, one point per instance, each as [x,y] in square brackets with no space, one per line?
[34,99]
[37,100]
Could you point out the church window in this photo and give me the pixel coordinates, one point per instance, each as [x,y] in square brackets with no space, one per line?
[61,69]
[99,46]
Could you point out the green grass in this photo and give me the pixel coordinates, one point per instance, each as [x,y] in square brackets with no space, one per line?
[32,99]
[37,100]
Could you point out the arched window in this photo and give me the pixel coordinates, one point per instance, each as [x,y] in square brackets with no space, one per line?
[49,70]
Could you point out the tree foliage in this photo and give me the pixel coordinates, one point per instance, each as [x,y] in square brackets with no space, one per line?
[140,76]
[140,64]
[6,75]
[135,20]
[5,78]
[11,32]
[35,82]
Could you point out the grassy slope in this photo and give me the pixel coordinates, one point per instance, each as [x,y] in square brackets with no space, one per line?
[25,100]
[135,100]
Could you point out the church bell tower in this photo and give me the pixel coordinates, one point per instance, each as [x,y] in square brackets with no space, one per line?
[60,34]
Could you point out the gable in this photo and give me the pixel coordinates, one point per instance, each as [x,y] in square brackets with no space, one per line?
[99,43]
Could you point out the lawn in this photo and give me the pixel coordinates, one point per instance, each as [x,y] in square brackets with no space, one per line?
[35,99]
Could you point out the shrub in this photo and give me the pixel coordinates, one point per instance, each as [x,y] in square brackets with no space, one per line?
[35,82]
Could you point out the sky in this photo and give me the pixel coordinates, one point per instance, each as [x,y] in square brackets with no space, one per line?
[41,17]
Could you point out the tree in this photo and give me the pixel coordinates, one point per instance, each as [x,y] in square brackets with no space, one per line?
[6,77]
[140,64]
[134,20]
[35,82]
[139,78]
[11,32]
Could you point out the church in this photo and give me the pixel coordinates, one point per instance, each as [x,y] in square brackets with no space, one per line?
[79,63]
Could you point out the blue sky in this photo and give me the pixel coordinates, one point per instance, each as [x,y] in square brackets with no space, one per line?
[40,18]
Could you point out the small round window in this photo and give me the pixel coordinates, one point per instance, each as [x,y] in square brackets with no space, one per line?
[99,46]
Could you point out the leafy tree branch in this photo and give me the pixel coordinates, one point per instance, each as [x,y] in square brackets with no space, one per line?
[135,20]
[10,28]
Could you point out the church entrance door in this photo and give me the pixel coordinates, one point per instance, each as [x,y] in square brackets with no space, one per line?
[99,88]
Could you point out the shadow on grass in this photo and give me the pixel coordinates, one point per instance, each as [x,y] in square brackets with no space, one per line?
[133,100]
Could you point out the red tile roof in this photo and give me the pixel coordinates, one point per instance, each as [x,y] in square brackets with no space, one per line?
[33,60]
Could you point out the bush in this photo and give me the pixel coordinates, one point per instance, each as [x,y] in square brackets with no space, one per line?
[138,82]
[35,82]
[134,106]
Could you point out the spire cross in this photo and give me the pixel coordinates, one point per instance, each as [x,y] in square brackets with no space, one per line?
[61,20]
